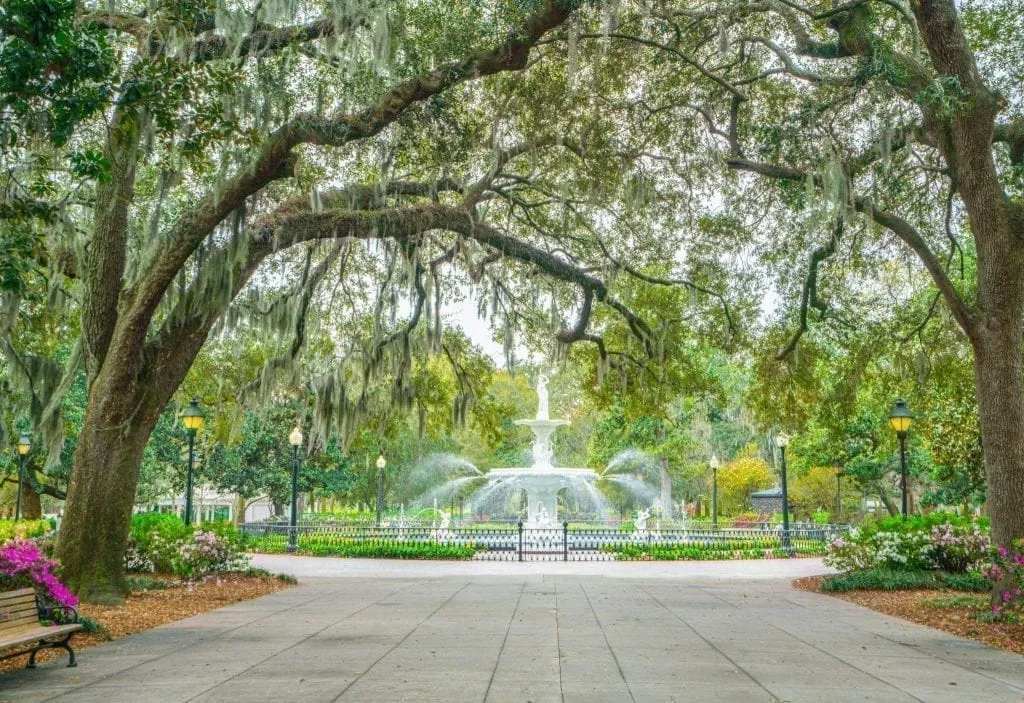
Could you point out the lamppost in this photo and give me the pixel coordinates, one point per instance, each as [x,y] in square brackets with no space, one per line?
[900,418]
[381,463]
[714,491]
[193,419]
[24,444]
[839,489]
[295,439]
[782,441]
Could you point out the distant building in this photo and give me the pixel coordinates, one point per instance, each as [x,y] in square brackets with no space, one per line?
[208,504]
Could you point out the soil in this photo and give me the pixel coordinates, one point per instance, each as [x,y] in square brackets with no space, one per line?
[147,609]
[957,615]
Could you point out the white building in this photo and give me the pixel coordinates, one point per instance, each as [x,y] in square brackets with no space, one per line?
[208,504]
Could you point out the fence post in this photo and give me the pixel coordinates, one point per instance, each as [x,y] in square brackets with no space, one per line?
[565,541]
[520,540]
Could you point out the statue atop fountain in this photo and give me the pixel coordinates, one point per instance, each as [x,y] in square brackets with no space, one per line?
[542,397]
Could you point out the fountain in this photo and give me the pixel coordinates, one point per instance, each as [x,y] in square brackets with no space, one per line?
[543,480]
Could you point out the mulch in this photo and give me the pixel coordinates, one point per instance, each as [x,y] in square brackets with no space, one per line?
[917,606]
[145,610]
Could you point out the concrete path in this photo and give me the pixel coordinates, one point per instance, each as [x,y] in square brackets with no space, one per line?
[533,637]
[740,570]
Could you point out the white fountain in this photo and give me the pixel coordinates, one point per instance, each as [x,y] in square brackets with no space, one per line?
[543,480]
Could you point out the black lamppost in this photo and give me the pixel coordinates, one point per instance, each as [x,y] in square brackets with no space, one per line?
[381,463]
[839,489]
[193,419]
[295,439]
[901,418]
[24,444]
[782,441]
[714,491]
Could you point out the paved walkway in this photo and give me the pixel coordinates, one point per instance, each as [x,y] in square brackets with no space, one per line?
[533,637]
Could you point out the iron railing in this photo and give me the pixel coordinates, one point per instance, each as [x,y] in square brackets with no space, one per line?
[565,542]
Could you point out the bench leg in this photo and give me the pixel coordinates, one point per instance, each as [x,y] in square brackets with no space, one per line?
[64,644]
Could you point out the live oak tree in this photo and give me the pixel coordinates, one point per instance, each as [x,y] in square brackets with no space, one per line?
[856,133]
[165,158]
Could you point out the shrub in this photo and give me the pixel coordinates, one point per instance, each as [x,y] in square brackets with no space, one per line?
[207,553]
[919,543]
[154,542]
[1005,575]
[164,543]
[23,565]
[880,580]
[23,529]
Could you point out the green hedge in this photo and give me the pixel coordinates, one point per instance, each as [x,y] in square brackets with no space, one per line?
[391,550]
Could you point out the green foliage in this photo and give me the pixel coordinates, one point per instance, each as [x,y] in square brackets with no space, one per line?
[154,541]
[140,584]
[926,542]
[881,579]
[55,73]
[367,549]
[24,529]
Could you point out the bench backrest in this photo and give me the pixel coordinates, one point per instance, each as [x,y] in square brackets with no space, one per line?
[17,611]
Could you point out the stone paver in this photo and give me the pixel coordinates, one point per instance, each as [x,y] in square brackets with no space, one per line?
[532,637]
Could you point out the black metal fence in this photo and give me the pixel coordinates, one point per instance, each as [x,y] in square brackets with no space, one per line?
[565,542]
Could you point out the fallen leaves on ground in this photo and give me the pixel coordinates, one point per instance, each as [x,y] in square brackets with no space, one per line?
[934,608]
[151,608]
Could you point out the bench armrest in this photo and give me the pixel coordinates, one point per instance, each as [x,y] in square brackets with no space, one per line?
[69,614]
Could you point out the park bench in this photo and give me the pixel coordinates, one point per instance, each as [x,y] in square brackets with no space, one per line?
[22,626]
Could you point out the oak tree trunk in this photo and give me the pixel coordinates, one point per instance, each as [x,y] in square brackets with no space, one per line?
[997,369]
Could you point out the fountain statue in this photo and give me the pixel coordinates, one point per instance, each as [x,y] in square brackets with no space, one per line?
[542,480]
[641,521]
[493,492]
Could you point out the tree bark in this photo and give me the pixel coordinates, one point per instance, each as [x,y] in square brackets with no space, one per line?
[997,369]
[31,507]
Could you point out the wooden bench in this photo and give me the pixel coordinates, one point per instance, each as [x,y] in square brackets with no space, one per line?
[21,626]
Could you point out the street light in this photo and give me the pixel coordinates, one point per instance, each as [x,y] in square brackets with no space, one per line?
[900,418]
[381,463]
[24,444]
[839,489]
[714,491]
[295,439]
[193,419]
[782,441]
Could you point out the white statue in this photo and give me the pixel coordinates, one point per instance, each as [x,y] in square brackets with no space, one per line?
[542,397]
[641,520]
[542,514]
[446,521]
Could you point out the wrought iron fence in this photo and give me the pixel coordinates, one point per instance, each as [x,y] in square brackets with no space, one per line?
[565,542]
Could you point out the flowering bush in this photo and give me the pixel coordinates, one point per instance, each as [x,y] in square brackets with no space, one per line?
[1006,572]
[163,543]
[23,565]
[206,553]
[959,549]
[920,545]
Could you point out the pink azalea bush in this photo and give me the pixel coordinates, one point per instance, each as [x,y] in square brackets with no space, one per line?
[23,565]
[1006,572]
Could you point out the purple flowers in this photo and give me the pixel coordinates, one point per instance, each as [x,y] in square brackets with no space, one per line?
[1006,572]
[22,564]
